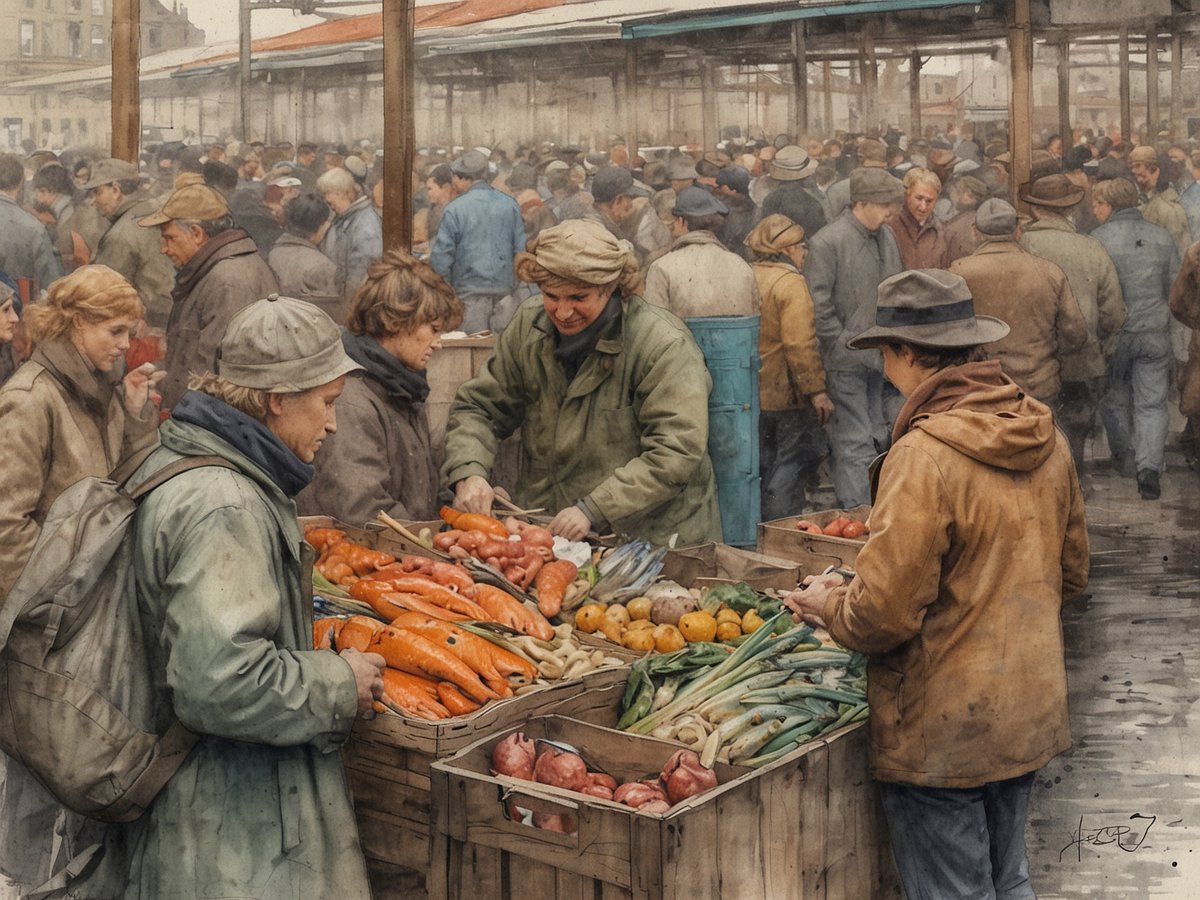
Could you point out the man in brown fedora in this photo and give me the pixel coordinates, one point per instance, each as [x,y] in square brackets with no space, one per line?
[791,196]
[1093,279]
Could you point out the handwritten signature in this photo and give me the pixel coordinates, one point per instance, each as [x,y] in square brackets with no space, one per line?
[1126,837]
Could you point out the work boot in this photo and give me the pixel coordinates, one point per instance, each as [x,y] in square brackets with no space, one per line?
[1147,482]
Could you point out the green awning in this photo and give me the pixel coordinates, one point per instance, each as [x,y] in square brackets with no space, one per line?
[667,28]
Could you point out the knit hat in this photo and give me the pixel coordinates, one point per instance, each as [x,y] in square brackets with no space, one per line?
[283,346]
[929,308]
[869,185]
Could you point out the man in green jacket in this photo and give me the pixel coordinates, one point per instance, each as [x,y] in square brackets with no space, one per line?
[610,394]
[223,585]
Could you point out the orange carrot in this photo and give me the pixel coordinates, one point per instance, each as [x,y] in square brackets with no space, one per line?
[452,698]
[473,521]
[504,608]
[412,695]
[320,538]
[362,560]
[409,652]
[357,632]
[551,585]
[490,660]
[430,590]
[389,603]
[325,632]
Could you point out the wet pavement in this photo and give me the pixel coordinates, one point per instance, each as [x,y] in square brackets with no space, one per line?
[1118,815]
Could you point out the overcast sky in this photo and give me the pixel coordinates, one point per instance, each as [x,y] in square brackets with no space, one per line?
[219,19]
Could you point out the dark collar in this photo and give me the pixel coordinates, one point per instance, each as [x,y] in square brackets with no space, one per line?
[401,382]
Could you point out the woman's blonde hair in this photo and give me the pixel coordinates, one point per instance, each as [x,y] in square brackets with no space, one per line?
[401,294]
[252,401]
[94,293]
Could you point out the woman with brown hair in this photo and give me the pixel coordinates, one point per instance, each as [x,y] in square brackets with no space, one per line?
[70,411]
[610,394]
[381,457]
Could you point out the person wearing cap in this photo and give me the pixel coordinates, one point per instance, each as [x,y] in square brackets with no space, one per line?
[871,154]
[791,385]
[480,234]
[74,229]
[1159,202]
[219,272]
[69,412]
[1097,290]
[1028,292]
[355,237]
[281,190]
[847,260]
[382,456]
[619,203]
[919,235]
[698,276]
[1185,307]
[790,193]
[301,269]
[965,193]
[977,539]
[114,191]
[26,251]
[247,205]
[1135,413]
[733,189]
[223,589]
[610,394]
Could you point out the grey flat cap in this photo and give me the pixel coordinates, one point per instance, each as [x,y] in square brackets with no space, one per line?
[996,216]
[472,164]
[693,202]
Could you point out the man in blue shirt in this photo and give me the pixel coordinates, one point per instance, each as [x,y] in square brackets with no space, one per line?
[480,233]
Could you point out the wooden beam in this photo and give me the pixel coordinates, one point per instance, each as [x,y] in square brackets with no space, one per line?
[914,95]
[1064,94]
[827,125]
[126,87]
[1178,125]
[870,80]
[1123,77]
[708,106]
[450,113]
[397,124]
[799,124]
[244,115]
[1020,115]
[1153,117]
[630,112]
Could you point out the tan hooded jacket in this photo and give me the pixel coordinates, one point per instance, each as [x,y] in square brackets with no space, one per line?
[977,538]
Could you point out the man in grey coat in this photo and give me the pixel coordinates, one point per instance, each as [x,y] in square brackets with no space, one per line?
[847,260]
[25,248]
[219,273]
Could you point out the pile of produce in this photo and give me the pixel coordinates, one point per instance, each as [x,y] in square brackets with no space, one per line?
[667,616]
[558,765]
[521,552]
[842,526]
[751,704]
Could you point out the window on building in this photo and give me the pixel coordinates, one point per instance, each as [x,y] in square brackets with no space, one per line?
[97,7]
[29,4]
[74,5]
[82,128]
[45,126]
[49,5]
[65,126]
[98,40]
[47,41]
[937,87]
[25,35]
[74,38]
[154,38]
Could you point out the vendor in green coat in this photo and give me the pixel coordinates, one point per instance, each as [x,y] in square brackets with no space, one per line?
[610,394]
[260,807]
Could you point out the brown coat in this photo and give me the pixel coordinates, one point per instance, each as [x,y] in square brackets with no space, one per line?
[61,424]
[1185,306]
[921,246]
[961,238]
[1033,296]
[226,275]
[787,339]
[977,539]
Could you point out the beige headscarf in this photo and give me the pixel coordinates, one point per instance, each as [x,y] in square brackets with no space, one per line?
[773,235]
[583,251]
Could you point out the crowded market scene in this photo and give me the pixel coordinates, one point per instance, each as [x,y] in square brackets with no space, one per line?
[648,449]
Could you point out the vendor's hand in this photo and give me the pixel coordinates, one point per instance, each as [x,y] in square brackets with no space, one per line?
[808,603]
[368,678]
[571,523]
[822,406]
[473,494]
[140,386]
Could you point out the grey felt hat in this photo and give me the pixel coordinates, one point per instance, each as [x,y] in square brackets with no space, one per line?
[614,181]
[106,171]
[872,185]
[284,346]
[681,168]
[791,163]
[929,308]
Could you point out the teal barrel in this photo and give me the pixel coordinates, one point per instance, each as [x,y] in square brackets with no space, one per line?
[730,347]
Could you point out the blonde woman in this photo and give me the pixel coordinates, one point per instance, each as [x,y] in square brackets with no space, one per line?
[69,411]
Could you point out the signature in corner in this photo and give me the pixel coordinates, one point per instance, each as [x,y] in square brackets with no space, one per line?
[1127,837]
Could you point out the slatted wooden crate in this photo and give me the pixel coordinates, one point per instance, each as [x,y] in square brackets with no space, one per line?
[806,826]
[813,551]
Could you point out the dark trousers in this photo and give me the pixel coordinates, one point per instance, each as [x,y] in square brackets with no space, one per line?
[791,445]
[1076,409]
[965,843]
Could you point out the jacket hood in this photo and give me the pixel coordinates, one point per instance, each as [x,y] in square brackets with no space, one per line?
[983,414]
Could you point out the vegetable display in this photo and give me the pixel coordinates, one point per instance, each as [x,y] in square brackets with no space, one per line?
[751,704]
[842,526]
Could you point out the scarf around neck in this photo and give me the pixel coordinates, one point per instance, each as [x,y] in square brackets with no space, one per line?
[944,389]
[572,349]
[399,380]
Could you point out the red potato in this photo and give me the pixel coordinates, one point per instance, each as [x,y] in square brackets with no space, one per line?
[854,530]
[560,768]
[554,822]
[810,527]
[685,776]
[639,794]
[834,528]
[514,756]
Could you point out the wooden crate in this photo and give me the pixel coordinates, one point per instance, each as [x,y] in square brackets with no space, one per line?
[814,551]
[806,826]
[705,564]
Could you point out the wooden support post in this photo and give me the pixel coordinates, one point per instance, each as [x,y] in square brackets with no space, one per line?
[914,95]
[530,103]
[244,114]
[827,125]
[126,88]
[708,106]
[799,124]
[1064,94]
[1123,76]
[870,80]
[631,99]
[1020,48]
[397,124]
[449,113]
[1178,126]
[1153,119]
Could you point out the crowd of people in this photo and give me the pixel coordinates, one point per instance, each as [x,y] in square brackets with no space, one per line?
[236,292]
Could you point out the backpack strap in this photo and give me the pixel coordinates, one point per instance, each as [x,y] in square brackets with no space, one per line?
[169,471]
